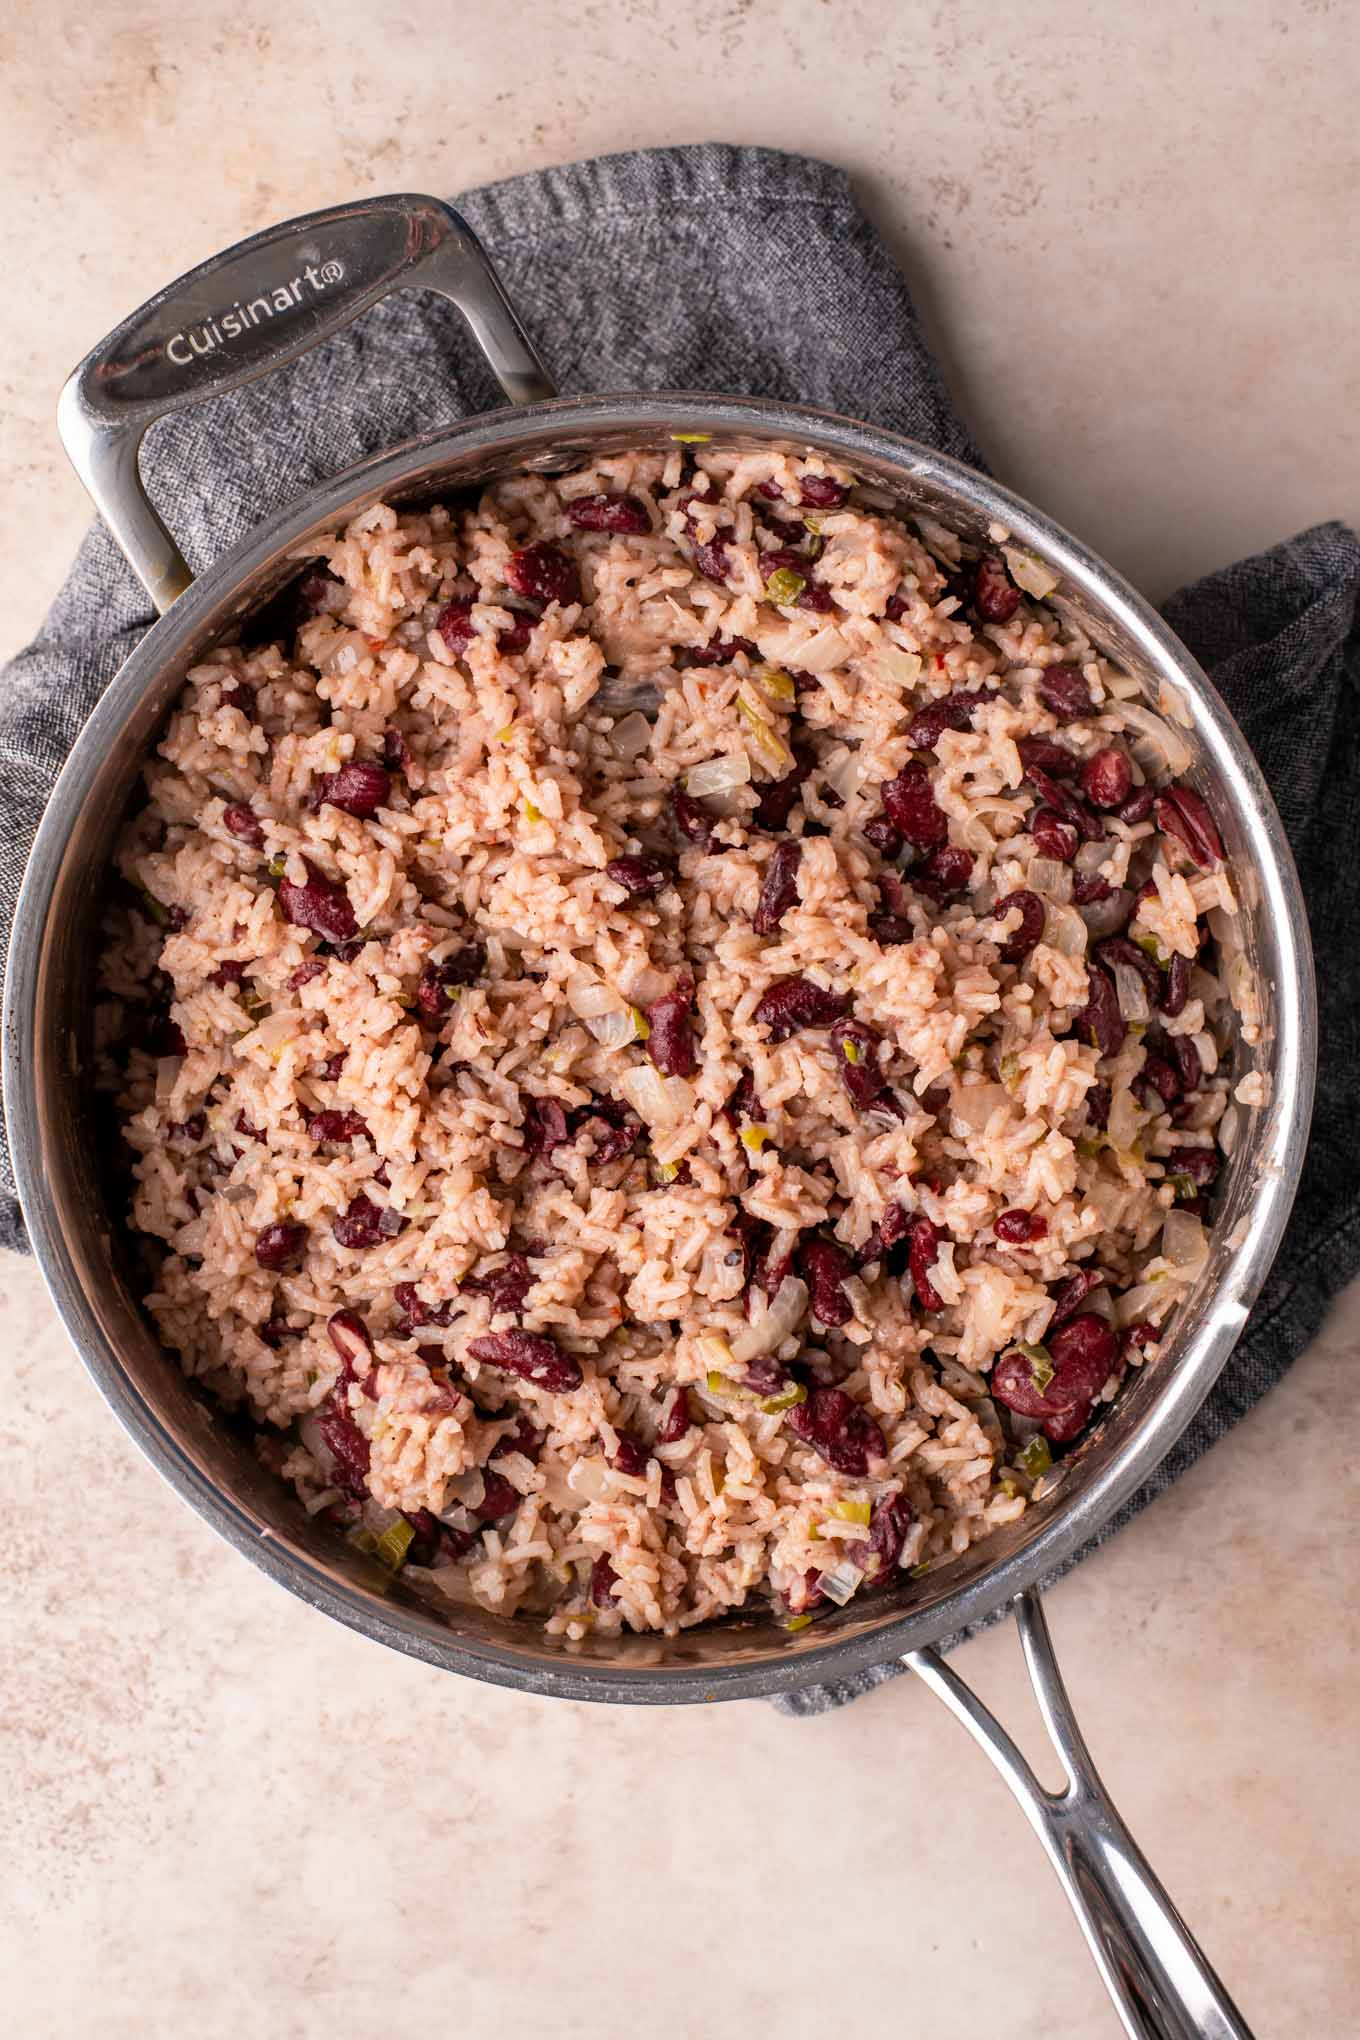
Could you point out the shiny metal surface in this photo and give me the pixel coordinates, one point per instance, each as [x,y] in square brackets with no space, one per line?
[1160,1983]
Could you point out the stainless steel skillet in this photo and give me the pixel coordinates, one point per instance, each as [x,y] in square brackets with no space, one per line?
[240,316]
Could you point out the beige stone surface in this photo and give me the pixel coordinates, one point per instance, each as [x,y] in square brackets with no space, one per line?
[1130,231]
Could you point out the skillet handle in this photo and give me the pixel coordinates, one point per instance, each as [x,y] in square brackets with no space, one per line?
[1161,1984]
[245,313]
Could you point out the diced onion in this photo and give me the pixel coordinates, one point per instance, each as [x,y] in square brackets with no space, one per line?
[1106,917]
[1184,1240]
[839,1586]
[630,738]
[589,1480]
[974,1104]
[843,773]
[1064,930]
[1051,879]
[1208,1052]
[783,1317]
[468,1489]
[1124,1119]
[898,669]
[277,1029]
[1030,573]
[718,775]
[657,1100]
[1229,1128]
[1169,751]
[1133,1000]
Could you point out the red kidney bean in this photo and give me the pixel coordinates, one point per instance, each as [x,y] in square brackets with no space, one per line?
[995,596]
[779,797]
[891,1229]
[792,1003]
[891,930]
[506,1286]
[671,1041]
[358,789]
[945,873]
[603,1581]
[361,1224]
[877,1557]
[819,492]
[454,624]
[631,1458]
[524,1438]
[856,1047]
[439,981]
[693,821]
[337,1126]
[304,974]
[1065,693]
[841,1431]
[245,823]
[1201,1164]
[1188,1065]
[609,513]
[280,1244]
[909,803]
[824,1267]
[743,1103]
[530,1356]
[350,1337]
[1045,754]
[711,560]
[1069,1296]
[925,1241]
[1119,949]
[514,637]
[331,1068]
[1021,940]
[642,878]
[1018,1228]
[164,1035]
[1053,837]
[416,1312]
[1159,1077]
[545,1124]
[232,971]
[951,712]
[885,837]
[780,889]
[678,1420]
[611,1126]
[319,906]
[276,1331]
[896,607]
[1100,1021]
[499,1499]
[243,1126]
[348,1447]
[1106,778]
[396,757]
[1177,990]
[543,573]
[1181,813]
[1088,888]
[1098,1106]
[717,652]
[1082,1353]
[1066,804]
[1138,806]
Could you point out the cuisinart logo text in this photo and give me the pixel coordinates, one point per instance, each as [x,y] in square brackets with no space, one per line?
[224,327]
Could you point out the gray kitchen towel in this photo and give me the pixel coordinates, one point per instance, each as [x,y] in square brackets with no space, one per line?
[744,270]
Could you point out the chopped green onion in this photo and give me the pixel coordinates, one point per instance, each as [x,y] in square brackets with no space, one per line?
[1040,1365]
[504,736]
[641,1024]
[918,1572]
[778,684]
[159,914]
[666,1172]
[530,812]
[1184,1184]
[853,1512]
[851,1051]
[1008,1487]
[773,754]
[787,1399]
[1153,948]
[721,1385]
[1009,1069]
[784,586]
[813,523]
[1088,1147]
[362,1539]
[753,1138]
[1034,1457]
[255,1004]
[277,866]
[691,438]
[393,1545]
[793,1623]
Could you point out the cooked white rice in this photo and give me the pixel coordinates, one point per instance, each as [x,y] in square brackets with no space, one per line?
[514,778]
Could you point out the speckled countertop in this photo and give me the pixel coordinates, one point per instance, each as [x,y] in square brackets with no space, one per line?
[225,1814]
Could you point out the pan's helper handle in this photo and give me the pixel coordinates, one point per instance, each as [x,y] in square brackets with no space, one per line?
[1162,1986]
[247,312]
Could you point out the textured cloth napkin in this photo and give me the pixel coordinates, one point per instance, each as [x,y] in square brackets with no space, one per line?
[742,270]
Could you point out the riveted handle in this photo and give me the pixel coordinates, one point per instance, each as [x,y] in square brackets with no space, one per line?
[245,313]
